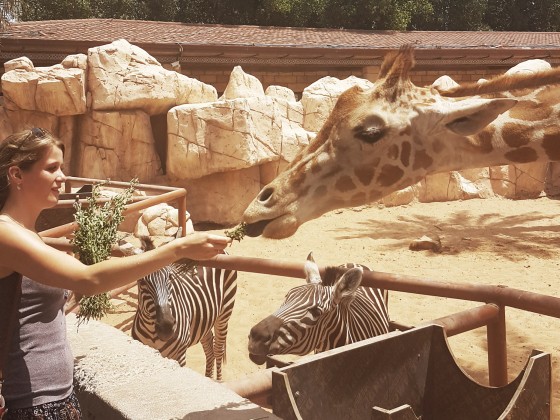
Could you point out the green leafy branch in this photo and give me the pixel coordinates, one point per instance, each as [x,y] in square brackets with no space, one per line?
[94,238]
[237,234]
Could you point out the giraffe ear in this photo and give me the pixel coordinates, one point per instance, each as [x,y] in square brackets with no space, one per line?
[470,116]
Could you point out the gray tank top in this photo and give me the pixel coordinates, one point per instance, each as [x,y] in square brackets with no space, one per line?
[39,367]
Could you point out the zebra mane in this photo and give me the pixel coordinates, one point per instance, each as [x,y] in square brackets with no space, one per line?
[333,273]
[147,243]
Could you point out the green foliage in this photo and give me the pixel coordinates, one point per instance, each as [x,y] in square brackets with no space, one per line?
[9,9]
[432,15]
[94,307]
[49,10]
[163,10]
[461,15]
[523,15]
[237,233]
[94,238]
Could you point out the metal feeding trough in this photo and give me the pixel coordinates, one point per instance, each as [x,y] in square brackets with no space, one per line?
[407,376]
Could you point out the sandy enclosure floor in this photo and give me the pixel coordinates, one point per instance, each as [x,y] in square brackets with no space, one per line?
[493,241]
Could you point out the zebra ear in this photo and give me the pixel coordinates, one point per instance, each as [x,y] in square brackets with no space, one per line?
[346,286]
[311,269]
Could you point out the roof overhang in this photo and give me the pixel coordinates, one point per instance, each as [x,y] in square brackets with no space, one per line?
[49,52]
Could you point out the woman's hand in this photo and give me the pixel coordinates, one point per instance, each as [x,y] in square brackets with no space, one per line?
[200,245]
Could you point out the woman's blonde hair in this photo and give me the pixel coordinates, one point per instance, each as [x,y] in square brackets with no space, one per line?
[23,149]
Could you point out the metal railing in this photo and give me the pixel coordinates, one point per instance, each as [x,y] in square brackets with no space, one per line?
[165,195]
[491,314]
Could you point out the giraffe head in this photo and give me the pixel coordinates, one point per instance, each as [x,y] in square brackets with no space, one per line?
[374,142]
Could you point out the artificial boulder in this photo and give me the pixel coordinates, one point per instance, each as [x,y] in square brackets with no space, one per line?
[319,98]
[56,90]
[204,139]
[122,76]
[242,85]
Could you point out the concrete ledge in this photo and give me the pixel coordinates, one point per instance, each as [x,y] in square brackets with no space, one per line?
[117,377]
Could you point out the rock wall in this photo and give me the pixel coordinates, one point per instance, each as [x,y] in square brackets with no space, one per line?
[108,107]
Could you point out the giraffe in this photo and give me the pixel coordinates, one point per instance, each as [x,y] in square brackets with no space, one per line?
[390,136]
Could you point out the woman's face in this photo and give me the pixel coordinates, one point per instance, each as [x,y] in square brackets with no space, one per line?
[42,182]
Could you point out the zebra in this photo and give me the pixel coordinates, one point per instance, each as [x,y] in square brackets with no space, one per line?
[322,314]
[180,306]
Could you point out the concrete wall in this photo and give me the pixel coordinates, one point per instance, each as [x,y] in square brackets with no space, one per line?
[117,377]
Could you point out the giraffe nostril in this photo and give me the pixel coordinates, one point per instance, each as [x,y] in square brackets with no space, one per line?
[265,194]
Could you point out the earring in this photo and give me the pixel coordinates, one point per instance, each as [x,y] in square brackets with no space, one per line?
[18,186]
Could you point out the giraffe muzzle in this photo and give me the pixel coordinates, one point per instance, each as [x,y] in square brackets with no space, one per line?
[256,229]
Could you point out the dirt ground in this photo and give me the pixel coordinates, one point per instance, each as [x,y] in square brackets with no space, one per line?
[492,241]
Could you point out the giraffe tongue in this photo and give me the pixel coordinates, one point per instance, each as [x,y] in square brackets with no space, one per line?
[255,229]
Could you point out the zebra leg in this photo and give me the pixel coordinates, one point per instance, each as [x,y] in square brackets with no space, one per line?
[208,346]
[181,357]
[221,330]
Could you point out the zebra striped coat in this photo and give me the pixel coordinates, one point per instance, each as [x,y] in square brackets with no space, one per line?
[322,314]
[179,306]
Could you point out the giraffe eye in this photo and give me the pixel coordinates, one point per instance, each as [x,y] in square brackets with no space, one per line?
[370,134]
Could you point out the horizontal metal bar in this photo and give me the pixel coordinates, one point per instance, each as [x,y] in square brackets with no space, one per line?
[500,295]
[120,184]
[467,320]
[68,228]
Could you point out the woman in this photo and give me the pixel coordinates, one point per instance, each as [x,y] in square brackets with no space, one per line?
[39,365]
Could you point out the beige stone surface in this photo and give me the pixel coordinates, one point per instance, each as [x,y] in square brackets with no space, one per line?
[118,145]
[319,98]
[122,76]
[242,85]
[222,151]
[119,378]
[280,92]
[55,90]
[204,139]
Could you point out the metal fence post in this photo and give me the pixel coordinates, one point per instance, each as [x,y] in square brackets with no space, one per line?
[497,349]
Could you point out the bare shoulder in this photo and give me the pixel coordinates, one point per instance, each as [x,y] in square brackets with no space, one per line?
[13,235]
[17,244]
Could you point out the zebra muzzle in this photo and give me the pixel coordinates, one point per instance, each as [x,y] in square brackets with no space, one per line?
[257,359]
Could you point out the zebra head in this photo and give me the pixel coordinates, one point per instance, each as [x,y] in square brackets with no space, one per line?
[309,315]
[154,297]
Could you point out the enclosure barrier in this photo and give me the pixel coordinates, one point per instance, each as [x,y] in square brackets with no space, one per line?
[492,314]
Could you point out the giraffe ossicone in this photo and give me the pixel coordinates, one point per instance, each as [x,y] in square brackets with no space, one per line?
[390,136]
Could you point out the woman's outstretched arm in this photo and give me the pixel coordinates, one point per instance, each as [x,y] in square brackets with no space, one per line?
[24,252]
